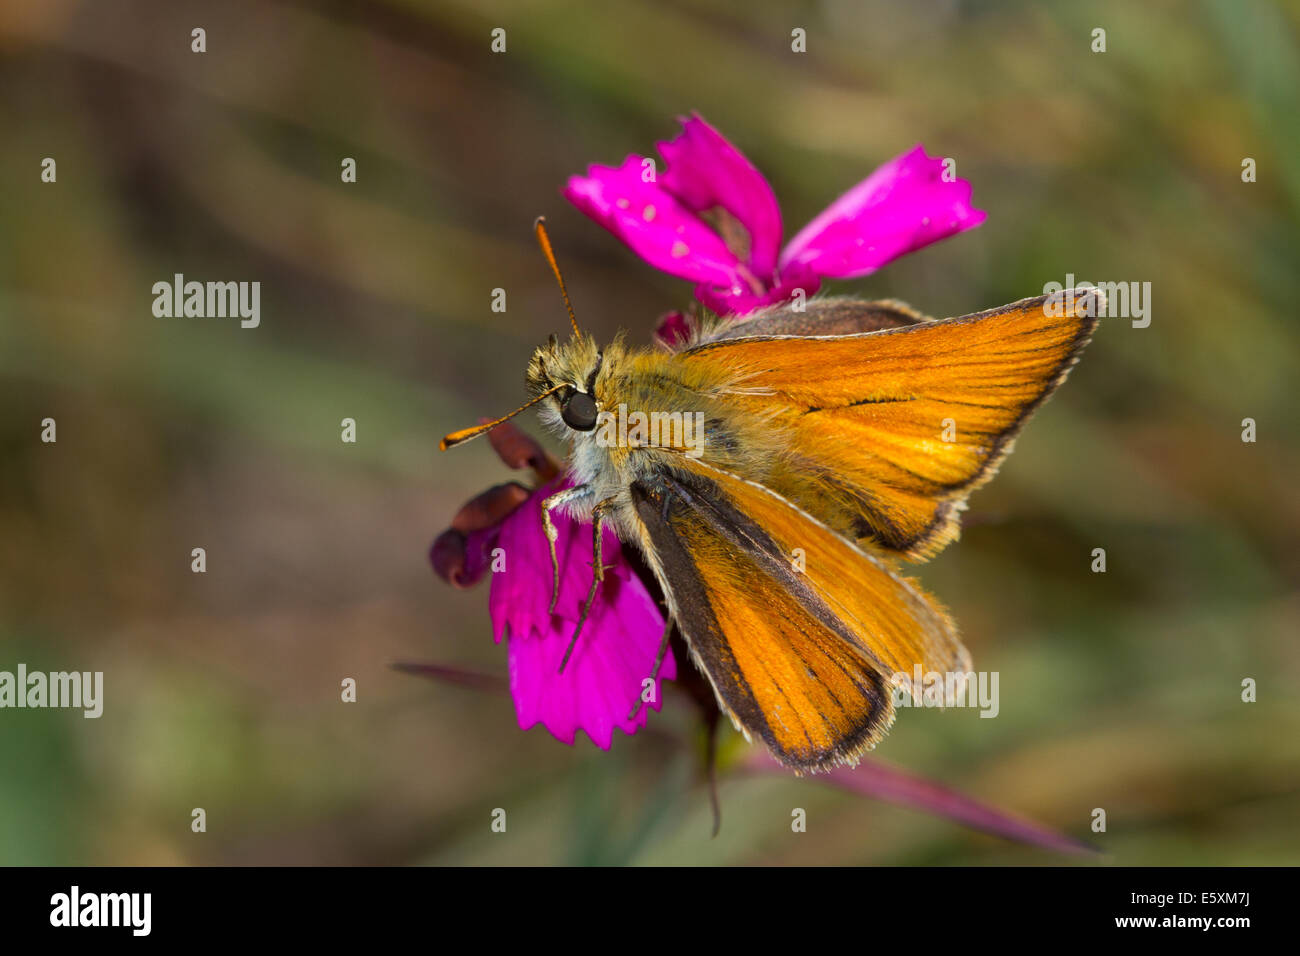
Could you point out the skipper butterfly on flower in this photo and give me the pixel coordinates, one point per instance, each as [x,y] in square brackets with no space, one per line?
[836,441]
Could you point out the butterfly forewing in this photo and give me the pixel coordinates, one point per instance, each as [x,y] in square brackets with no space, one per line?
[891,430]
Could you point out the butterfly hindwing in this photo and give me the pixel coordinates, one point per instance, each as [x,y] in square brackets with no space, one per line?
[800,646]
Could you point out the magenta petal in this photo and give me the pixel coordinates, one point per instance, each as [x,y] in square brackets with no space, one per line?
[673,330]
[653,223]
[705,170]
[521,591]
[619,641]
[602,680]
[902,206]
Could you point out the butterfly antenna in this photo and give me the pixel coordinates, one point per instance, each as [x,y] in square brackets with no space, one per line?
[465,434]
[544,241]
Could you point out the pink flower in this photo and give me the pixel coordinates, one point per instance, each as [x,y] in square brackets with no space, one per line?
[712,218]
[672,329]
[616,651]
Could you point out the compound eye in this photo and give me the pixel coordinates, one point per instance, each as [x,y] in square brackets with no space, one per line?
[579,412]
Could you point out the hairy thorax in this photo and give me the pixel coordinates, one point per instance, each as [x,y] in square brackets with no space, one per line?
[654,412]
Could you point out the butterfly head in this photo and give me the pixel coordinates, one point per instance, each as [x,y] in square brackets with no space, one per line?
[567,375]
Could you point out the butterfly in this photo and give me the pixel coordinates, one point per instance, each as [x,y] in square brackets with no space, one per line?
[775,470]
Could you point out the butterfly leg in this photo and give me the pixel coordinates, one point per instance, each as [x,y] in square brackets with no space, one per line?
[548,504]
[659,660]
[598,571]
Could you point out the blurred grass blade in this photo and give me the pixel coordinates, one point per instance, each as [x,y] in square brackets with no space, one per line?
[878,780]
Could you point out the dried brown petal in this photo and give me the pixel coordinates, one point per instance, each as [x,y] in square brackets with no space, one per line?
[490,508]
[518,449]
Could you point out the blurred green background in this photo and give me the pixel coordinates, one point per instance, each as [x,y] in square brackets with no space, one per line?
[1119,690]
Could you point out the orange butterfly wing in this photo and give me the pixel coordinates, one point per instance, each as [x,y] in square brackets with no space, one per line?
[893,429]
[802,657]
